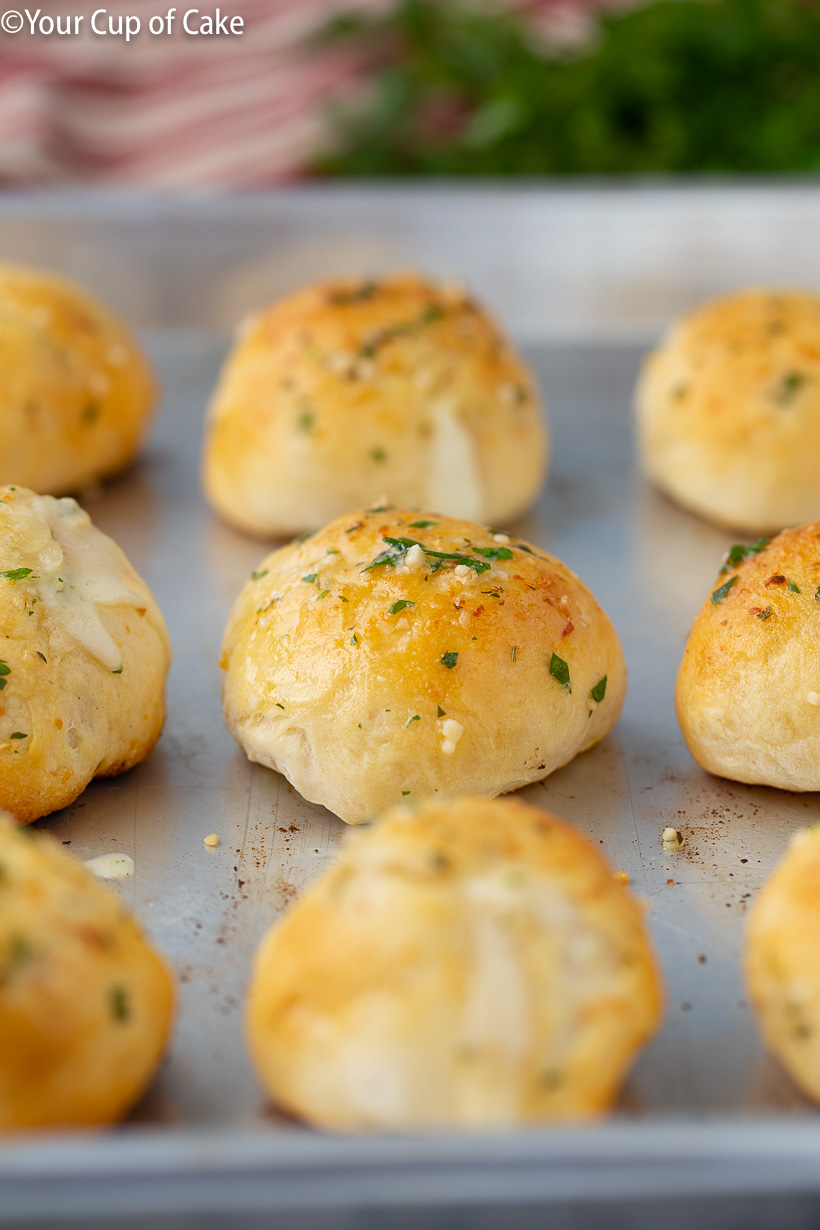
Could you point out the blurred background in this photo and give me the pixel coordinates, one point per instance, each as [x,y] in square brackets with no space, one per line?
[328,88]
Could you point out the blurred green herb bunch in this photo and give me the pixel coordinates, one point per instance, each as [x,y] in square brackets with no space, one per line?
[459,88]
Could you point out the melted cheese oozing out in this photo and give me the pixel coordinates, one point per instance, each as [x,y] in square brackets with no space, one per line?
[76,569]
[453,482]
[496,1009]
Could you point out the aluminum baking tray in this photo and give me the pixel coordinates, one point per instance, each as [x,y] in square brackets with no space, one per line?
[708,1127]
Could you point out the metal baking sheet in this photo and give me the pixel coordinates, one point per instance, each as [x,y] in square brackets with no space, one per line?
[706,1114]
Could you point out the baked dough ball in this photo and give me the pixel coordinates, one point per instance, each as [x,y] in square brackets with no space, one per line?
[748,691]
[470,964]
[397,654]
[729,410]
[348,390]
[83,656]
[783,960]
[76,393]
[85,1002]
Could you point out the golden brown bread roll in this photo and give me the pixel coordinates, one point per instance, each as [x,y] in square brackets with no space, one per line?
[783,960]
[469,964]
[85,1002]
[748,690]
[76,393]
[397,654]
[347,390]
[729,410]
[84,653]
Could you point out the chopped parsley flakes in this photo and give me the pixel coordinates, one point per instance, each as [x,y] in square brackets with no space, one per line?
[401,605]
[793,589]
[374,343]
[494,552]
[599,691]
[17,574]
[449,659]
[560,671]
[741,551]
[791,384]
[120,1006]
[719,594]
[257,576]
[18,734]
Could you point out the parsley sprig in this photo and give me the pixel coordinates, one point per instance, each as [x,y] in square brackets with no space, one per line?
[397,548]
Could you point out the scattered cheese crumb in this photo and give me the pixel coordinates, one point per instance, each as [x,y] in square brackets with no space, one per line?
[415,557]
[450,731]
[621,877]
[111,866]
[502,538]
[813,698]
[212,840]
[462,571]
[672,838]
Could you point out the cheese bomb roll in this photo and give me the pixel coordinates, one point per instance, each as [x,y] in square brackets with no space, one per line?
[349,389]
[398,654]
[83,656]
[85,1002]
[467,964]
[783,961]
[748,690]
[729,410]
[76,392]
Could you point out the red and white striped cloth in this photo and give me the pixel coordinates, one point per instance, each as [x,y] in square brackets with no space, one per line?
[174,111]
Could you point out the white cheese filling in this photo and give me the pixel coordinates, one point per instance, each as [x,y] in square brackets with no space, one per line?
[74,570]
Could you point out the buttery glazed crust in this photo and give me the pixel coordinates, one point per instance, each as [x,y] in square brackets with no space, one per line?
[349,390]
[729,410]
[748,690]
[470,964]
[76,394]
[365,682]
[783,961]
[84,654]
[85,1002]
